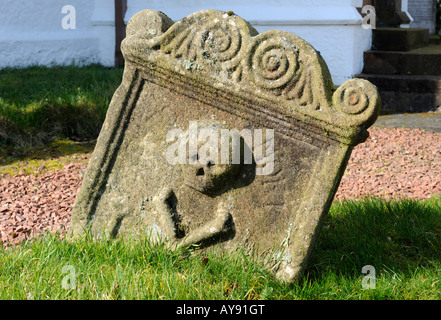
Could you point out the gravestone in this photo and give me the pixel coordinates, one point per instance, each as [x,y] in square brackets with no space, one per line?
[222,136]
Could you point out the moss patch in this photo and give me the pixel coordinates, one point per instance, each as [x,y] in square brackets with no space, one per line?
[39,160]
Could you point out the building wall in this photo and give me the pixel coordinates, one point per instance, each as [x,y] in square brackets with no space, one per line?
[423,12]
[31,31]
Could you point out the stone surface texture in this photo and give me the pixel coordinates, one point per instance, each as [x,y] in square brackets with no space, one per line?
[212,68]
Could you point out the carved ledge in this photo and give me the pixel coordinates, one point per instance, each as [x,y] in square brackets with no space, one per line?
[225,51]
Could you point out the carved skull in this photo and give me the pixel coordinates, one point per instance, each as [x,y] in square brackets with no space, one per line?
[207,175]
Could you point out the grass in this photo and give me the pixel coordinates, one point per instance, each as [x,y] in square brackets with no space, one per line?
[401,239]
[38,104]
[39,160]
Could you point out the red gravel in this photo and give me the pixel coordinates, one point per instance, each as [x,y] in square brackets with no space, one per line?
[392,163]
[30,205]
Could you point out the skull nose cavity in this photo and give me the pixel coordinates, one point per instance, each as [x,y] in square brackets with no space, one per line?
[200,172]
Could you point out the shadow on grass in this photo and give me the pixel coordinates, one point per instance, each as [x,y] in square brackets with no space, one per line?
[58,148]
[22,87]
[398,235]
[39,103]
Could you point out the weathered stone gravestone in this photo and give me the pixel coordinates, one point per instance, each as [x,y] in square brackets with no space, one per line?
[222,136]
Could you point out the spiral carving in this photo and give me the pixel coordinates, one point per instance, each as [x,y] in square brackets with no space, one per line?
[272,63]
[220,42]
[352,98]
[208,40]
[359,100]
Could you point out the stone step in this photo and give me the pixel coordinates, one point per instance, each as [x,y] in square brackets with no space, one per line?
[422,61]
[430,121]
[399,39]
[407,93]
[435,39]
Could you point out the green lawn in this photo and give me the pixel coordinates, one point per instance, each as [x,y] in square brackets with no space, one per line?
[400,239]
[38,104]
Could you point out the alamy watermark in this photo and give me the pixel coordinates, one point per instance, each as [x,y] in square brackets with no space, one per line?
[69,21]
[369,20]
[368,281]
[200,144]
[69,281]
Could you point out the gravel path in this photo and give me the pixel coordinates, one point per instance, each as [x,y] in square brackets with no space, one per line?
[392,163]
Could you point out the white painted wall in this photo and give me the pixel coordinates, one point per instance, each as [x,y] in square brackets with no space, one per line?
[333,27]
[103,22]
[31,31]
[424,13]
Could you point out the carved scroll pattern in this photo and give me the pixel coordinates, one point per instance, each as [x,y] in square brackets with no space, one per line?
[356,97]
[207,44]
[278,64]
[275,65]
[270,61]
